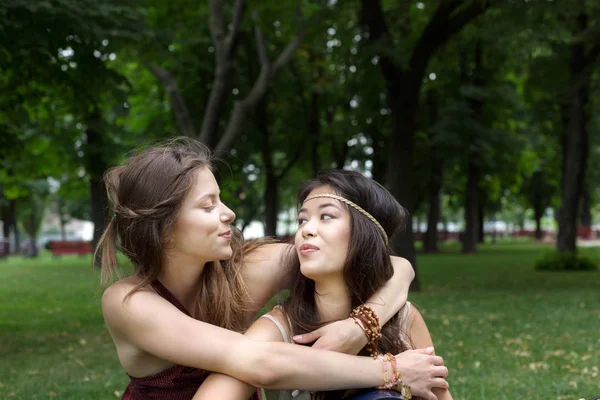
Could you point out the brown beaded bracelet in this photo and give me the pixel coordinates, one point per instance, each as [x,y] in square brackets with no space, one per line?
[368,321]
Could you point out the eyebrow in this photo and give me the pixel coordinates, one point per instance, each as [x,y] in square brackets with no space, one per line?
[207,196]
[322,206]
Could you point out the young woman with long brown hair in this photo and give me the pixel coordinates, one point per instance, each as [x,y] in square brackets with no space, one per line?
[341,258]
[193,277]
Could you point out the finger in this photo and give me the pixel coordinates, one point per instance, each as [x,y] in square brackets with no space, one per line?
[437,360]
[441,372]
[321,344]
[428,350]
[429,396]
[308,337]
[440,383]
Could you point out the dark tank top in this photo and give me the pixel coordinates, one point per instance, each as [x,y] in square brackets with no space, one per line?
[175,383]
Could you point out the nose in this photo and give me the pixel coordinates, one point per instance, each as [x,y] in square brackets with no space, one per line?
[308,229]
[227,216]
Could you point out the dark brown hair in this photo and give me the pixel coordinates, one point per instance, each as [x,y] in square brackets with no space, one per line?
[367,266]
[146,194]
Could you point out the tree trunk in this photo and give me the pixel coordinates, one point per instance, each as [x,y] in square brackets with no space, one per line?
[576,148]
[314,132]
[473,198]
[430,244]
[13,218]
[400,169]
[436,164]
[379,170]
[6,225]
[538,214]
[62,215]
[481,230]
[470,235]
[271,205]
[586,212]
[96,165]
[63,232]
[12,224]
[270,195]
[33,248]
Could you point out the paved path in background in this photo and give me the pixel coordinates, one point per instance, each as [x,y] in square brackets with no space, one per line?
[588,243]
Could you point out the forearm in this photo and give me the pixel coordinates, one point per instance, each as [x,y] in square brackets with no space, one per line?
[388,300]
[297,367]
[218,386]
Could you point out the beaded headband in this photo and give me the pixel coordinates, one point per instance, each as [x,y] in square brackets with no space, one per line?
[353,205]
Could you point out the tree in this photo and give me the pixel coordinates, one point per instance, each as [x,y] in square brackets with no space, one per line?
[226,38]
[31,212]
[576,138]
[403,89]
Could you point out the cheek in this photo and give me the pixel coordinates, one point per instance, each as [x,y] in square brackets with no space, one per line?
[298,236]
[203,222]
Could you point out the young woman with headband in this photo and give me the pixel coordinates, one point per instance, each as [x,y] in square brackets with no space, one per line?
[341,257]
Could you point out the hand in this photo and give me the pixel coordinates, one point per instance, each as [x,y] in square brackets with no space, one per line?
[422,371]
[343,336]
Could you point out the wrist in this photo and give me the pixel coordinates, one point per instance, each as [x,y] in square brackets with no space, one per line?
[368,321]
[358,332]
[392,376]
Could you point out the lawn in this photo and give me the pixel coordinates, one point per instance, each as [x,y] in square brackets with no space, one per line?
[505,330]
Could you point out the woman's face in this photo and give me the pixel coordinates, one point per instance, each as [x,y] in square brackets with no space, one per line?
[202,228]
[323,235]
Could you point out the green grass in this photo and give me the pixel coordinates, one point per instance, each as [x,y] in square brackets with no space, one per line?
[52,337]
[505,330]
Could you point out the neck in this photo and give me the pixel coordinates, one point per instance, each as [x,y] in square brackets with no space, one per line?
[332,299]
[181,277]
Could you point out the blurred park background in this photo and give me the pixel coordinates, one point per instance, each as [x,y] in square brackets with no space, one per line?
[480,116]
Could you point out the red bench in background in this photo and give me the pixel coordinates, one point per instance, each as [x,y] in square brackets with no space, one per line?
[61,247]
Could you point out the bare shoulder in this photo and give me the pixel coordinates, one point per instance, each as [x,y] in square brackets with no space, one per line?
[414,315]
[117,307]
[419,334]
[266,330]
[116,293]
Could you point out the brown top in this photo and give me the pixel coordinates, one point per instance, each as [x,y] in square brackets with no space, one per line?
[175,383]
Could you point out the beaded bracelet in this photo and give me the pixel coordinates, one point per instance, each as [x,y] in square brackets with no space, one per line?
[368,321]
[395,380]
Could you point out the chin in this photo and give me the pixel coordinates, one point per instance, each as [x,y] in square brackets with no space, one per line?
[226,255]
[312,271]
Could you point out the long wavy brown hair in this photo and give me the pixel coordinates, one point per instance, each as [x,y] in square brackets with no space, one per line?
[367,266]
[146,194]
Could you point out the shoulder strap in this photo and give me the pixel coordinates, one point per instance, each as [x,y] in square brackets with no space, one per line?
[167,295]
[282,330]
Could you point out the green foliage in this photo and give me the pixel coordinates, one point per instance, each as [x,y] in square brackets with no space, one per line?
[82,56]
[556,261]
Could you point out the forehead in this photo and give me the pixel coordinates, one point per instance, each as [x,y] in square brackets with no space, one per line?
[320,201]
[204,183]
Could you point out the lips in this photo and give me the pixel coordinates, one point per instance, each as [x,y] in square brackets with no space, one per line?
[226,235]
[307,249]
